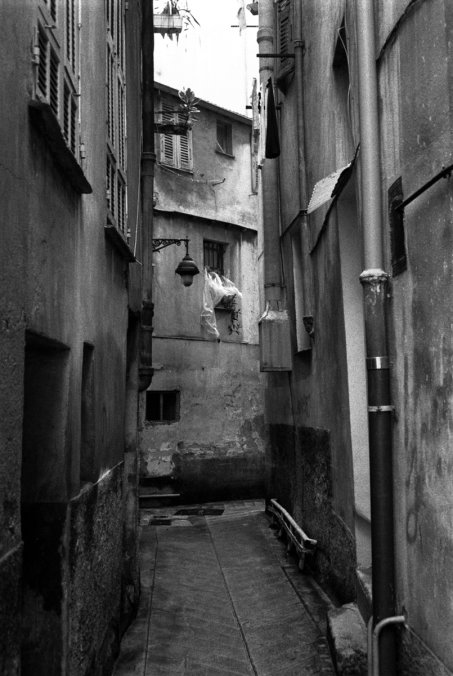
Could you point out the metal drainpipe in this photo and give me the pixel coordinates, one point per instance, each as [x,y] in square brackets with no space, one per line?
[374,281]
[299,49]
[269,172]
[147,177]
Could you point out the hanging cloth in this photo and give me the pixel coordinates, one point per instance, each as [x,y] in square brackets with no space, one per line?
[272,140]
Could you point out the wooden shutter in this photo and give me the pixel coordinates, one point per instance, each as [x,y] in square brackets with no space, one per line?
[43,44]
[284,30]
[54,82]
[70,34]
[167,141]
[185,151]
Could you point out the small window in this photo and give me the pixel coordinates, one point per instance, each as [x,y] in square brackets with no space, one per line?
[162,406]
[214,254]
[396,216]
[224,138]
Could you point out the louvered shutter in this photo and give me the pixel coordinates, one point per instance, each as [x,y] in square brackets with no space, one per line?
[167,141]
[54,82]
[185,151]
[43,62]
[284,30]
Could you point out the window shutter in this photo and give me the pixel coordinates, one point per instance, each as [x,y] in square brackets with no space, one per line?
[167,141]
[43,62]
[284,30]
[185,151]
[53,82]
[70,34]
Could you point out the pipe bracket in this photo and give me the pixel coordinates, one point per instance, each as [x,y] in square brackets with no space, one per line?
[386,408]
[377,363]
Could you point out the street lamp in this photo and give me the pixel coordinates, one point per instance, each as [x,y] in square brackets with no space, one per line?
[186,268]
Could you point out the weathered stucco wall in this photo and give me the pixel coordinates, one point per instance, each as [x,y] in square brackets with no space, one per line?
[12,268]
[310,456]
[63,291]
[415,76]
[220,186]
[216,447]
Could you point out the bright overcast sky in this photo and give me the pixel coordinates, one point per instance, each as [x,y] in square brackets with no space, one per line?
[211,58]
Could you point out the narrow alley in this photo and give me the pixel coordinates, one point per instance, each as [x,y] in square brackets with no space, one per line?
[220,596]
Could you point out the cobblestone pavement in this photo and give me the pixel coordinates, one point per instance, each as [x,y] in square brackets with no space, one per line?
[220,598]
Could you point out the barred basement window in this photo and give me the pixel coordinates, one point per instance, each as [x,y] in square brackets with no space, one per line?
[162,406]
[214,256]
[116,117]
[57,74]
[175,150]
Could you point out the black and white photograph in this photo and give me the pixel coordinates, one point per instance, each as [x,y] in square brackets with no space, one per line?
[226,338]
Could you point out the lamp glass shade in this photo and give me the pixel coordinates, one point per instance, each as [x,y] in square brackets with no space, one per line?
[187,270]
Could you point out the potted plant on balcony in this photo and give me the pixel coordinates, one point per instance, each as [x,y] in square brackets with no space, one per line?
[173,18]
[182,118]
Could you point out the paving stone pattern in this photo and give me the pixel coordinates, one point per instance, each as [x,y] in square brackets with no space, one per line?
[220,597]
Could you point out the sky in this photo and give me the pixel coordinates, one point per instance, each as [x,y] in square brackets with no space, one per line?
[213,59]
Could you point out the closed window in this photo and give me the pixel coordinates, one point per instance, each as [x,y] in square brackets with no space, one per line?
[175,149]
[224,138]
[116,117]
[162,406]
[57,73]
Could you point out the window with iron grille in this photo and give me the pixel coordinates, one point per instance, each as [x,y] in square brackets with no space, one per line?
[224,138]
[175,149]
[57,72]
[214,254]
[162,406]
[116,116]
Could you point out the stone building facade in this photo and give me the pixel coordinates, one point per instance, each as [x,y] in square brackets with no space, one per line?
[202,430]
[317,408]
[70,309]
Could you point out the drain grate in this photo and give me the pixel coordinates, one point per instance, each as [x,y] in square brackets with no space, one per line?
[200,511]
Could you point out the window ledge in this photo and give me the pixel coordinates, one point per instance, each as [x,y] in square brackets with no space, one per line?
[175,170]
[47,124]
[116,238]
[222,152]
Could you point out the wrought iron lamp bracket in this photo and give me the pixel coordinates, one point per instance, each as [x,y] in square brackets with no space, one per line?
[159,244]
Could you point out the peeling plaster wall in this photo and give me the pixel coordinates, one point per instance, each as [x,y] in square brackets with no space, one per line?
[415,83]
[216,448]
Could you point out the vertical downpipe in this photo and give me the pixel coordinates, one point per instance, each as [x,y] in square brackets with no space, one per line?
[269,174]
[374,281]
[299,49]
[147,177]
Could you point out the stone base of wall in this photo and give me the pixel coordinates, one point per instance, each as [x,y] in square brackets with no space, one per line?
[73,581]
[199,477]
[10,629]
[205,473]
[298,471]
[416,659]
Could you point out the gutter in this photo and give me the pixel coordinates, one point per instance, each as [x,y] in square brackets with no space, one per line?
[273,287]
[307,281]
[375,295]
[147,177]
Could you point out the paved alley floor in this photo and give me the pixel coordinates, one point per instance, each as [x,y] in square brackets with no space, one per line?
[220,597]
